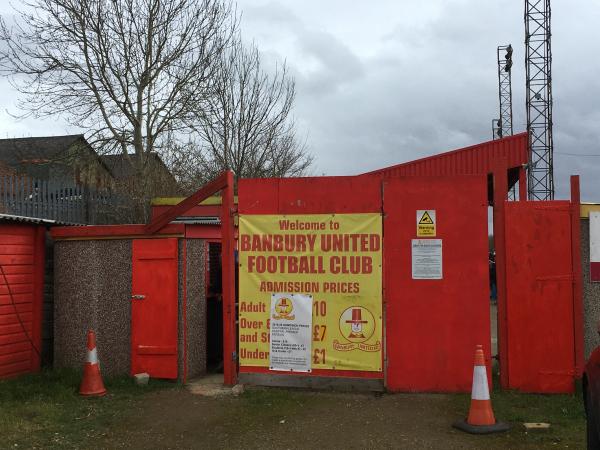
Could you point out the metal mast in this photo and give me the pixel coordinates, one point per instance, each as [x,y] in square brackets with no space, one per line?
[538,62]
[504,125]
[505,121]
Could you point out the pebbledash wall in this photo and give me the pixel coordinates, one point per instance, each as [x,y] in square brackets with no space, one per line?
[591,291]
[93,291]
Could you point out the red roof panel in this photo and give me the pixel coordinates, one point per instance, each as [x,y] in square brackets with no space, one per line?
[474,160]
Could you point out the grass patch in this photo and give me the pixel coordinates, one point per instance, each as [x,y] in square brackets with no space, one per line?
[44,410]
[564,413]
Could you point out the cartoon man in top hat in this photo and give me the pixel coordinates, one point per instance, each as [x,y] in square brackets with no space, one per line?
[283,306]
[356,324]
[283,309]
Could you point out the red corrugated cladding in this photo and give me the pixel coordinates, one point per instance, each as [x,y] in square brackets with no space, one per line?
[22,248]
[474,160]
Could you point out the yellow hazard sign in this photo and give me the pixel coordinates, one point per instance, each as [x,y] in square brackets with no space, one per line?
[426,222]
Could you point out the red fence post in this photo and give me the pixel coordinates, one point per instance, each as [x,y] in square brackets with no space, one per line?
[228,274]
[39,265]
[500,192]
[577,276]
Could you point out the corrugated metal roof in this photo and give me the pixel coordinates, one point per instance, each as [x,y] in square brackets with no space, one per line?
[34,220]
[474,160]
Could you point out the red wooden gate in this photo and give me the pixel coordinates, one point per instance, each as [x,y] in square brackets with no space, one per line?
[154,308]
[541,339]
[433,325]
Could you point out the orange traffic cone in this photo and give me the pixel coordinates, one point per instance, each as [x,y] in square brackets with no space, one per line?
[92,384]
[481,418]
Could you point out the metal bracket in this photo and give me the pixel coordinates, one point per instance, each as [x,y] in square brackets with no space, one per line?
[137,297]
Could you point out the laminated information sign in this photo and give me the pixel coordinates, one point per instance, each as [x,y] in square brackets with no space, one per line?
[291,332]
[427,259]
[336,259]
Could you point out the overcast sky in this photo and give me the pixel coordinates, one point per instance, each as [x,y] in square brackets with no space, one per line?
[387,81]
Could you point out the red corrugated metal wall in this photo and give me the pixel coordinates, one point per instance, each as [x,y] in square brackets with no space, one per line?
[21,295]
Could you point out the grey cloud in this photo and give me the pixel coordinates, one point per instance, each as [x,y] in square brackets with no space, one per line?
[379,83]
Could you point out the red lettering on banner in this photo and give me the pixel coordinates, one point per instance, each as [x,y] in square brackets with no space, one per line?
[244,242]
[351,264]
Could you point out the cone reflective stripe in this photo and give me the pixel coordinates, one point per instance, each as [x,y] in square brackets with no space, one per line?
[480,412]
[92,384]
[481,418]
[480,389]
[92,356]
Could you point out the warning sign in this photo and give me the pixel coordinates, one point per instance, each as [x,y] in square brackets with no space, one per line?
[426,222]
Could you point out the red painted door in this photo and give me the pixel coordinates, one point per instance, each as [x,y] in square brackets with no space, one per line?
[154,308]
[433,325]
[539,297]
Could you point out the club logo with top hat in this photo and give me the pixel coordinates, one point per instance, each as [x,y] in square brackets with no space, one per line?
[283,309]
[357,325]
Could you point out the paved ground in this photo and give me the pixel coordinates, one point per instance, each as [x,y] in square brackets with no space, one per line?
[284,419]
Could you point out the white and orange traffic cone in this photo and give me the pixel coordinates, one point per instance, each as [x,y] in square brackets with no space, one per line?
[481,418]
[92,384]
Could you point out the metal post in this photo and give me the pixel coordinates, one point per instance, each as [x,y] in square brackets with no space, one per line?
[228,281]
[578,323]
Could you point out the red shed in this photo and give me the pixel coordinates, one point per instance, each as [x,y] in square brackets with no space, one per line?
[22,261]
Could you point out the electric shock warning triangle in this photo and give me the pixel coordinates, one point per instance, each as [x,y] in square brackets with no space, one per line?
[425,219]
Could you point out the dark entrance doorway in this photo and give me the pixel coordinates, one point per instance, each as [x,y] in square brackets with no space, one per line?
[214,310]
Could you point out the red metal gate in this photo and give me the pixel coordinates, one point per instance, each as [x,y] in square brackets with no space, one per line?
[433,325]
[154,308]
[540,306]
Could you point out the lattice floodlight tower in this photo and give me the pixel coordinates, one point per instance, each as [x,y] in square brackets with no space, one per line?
[504,125]
[538,62]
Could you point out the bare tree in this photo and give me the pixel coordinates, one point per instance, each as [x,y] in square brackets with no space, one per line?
[132,72]
[246,125]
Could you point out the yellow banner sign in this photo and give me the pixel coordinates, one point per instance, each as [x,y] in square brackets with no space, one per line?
[334,258]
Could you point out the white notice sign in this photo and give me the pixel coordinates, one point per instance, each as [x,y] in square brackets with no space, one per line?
[291,332]
[427,259]
[594,246]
